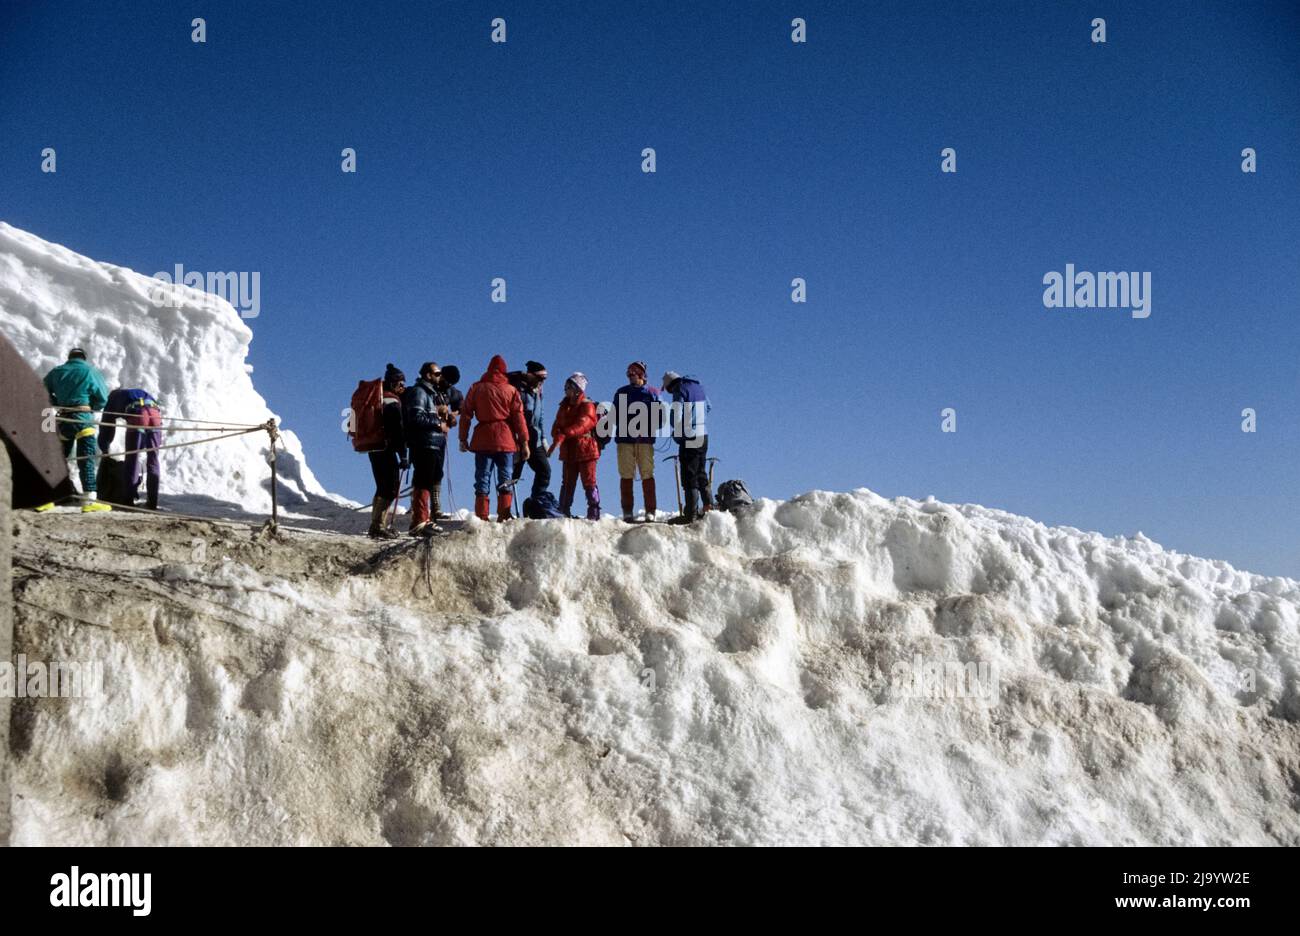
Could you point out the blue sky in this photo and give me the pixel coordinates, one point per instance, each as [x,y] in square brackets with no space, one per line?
[775,160]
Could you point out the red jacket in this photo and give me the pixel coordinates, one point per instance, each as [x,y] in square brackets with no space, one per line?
[572,430]
[499,412]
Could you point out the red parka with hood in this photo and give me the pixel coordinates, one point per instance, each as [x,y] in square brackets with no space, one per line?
[497,411]
[572,430]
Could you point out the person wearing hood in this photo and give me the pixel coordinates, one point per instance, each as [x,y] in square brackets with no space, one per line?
[636,414]
[500,433]
[689,407]
[387,463]
[79,391]
[143,434]
[529,384]
[572,433]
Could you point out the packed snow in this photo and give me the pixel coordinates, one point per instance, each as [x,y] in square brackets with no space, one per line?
[190,351]
[837,668]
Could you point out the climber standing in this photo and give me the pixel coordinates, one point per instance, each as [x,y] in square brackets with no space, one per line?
[500,433]
[689,407]
[79,391]
[450,401]
[388,463]
[573,434]
[428,414]
[636,414]
[529,384]
[143,419]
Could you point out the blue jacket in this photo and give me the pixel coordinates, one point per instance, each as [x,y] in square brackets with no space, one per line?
[689,397]
[533,416]
[123,401]
[420,419]
[636,406]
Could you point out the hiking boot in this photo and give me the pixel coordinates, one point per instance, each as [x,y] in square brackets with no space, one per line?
[45,507]
[420,528]
[378,528]
[95,507]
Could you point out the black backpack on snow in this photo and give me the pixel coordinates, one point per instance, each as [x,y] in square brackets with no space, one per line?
[733,494]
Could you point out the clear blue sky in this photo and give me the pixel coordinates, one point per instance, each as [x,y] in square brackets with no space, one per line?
[775,160]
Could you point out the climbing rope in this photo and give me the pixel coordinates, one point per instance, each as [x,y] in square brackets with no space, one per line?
[224,430]
[173,445]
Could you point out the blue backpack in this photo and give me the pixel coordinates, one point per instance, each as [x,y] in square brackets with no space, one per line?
[542,507]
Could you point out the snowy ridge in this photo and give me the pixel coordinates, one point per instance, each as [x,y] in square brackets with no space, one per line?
[192,355]
[734,682]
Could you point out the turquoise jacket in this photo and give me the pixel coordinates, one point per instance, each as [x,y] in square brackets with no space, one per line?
[76,383]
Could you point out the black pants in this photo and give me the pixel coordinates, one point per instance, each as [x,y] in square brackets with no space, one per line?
[426,465]
[541,465]
[388,477]
[693,463]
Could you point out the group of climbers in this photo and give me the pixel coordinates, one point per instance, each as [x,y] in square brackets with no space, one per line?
[81,400]
[500,420]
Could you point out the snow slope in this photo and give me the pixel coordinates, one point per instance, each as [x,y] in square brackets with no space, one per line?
[192,355]
[742,681]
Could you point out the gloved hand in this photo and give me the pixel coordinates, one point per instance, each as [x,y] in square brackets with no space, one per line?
[554,442]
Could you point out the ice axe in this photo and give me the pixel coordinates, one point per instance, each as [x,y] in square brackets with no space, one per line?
[508,487]
[678,478]
[392,514]
[708,495]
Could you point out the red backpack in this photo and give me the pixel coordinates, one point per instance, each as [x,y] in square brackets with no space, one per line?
[367,433]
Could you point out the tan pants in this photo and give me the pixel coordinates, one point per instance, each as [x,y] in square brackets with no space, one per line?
[634,456]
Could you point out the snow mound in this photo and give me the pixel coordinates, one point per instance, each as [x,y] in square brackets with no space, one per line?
[192,354]
[837,668]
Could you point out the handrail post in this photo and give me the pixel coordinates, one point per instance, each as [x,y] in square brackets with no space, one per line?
[275,507]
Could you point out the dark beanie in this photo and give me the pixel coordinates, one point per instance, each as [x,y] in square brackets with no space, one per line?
[392,375]
[535,368]
[450,375]
[76,354]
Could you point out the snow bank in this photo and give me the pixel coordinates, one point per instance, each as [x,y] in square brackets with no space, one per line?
[192,355]
[761,678]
